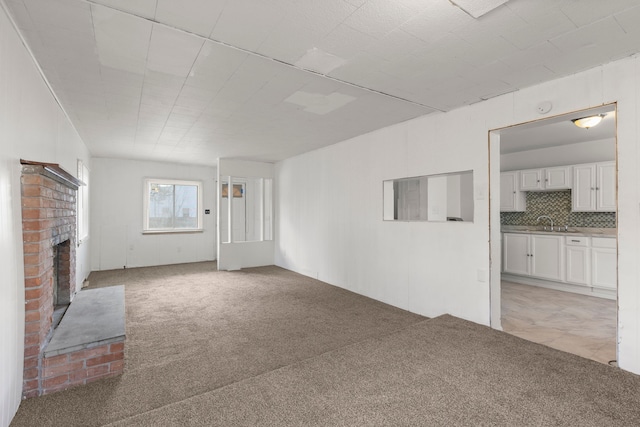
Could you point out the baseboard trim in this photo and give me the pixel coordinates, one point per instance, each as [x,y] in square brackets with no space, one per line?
[566,287]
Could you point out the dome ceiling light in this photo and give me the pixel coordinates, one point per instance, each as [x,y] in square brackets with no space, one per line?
[588,122]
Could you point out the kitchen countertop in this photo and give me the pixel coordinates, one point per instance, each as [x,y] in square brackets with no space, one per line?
[573,231]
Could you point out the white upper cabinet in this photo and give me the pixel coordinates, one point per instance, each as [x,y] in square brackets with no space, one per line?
[555,178]
[511,198]
[594,187]
[558,178]
[531,179]
[606,186]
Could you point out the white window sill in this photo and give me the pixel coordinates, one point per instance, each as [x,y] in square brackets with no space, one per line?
[185,231]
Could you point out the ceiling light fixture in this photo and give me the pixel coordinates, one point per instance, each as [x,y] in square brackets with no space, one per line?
[588,122]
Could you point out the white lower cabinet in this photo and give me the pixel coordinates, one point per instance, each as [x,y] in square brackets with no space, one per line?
[533,255]
[547,257]
[516,253]
[578,260]
[604,263]
[578,257]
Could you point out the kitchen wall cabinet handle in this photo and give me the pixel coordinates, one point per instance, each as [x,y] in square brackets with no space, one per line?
[576,241]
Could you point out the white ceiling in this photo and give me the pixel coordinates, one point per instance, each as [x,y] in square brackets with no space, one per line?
[558,130]
[193,80]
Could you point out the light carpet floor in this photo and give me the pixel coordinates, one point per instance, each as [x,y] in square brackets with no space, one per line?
[269,347]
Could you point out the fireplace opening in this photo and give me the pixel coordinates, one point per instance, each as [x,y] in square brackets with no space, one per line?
[61,281]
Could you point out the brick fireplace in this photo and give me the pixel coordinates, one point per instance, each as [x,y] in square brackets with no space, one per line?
[49,228]
[52,362]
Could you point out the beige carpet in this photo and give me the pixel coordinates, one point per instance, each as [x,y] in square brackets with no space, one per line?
[269,347]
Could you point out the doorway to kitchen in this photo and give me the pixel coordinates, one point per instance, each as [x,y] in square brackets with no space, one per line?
[553,237]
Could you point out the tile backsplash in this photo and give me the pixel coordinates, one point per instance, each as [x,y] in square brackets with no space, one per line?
[557,205]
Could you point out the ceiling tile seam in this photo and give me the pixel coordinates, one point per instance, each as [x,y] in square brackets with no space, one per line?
[37,64]
[217,20]
[209,103]
[146,59]
[184,83]
[102,88]
[259,55]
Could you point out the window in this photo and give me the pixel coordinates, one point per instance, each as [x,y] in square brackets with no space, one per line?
[82,203]
[443,197]
[249,217]
[172,206]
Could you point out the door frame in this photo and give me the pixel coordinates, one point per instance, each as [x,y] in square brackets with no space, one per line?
[495,236]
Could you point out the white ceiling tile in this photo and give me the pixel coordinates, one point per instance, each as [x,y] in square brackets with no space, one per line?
[477,8]
[436,21]
[578,60]
[359,69]
[538,28]
[629,19]
[122,41]
[395,45]
[195,16]
[319,61]
[144,8]
[71,15]
[535,55]
[378,17]
[356,3]
[585,12]
[529,76]
[302,26]
[172,52]
[258,19]
[600,33]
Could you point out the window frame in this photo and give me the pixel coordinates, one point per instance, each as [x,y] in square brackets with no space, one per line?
[146,203]
[82,204]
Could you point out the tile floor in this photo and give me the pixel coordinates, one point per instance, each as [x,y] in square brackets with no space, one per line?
[574,323]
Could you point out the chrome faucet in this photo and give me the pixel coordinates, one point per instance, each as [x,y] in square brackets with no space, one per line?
[545,217]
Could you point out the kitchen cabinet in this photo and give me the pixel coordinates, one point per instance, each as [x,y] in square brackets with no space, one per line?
[547,257]
[534,255]
[516,253]
[578,260]
[594,187]
[554,178]
[511,198]
[604,263]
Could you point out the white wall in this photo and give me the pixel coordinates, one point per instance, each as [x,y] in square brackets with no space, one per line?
[329,205]
[572,154]
[329,219]
[32,127]
[117,214]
